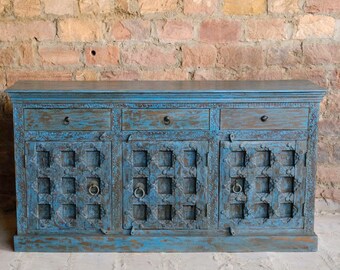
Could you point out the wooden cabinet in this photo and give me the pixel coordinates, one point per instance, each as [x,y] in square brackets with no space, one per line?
[165,166]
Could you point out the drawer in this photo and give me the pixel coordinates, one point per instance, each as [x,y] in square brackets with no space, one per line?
[67,119]
[264,118]
[165,119]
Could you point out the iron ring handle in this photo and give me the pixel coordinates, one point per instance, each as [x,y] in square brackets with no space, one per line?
[264,118]
[139,192]
[96,188]
[166,120]
[237,188]
[66,120]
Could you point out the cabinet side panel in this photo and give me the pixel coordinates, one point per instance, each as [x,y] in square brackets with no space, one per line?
[20,182]
[311,166]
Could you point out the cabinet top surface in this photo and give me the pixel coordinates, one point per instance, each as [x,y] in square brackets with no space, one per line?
[167,91]
[168,86]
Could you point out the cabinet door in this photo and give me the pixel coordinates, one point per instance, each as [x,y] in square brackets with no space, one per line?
[262,185]
[165,185]
[69,185]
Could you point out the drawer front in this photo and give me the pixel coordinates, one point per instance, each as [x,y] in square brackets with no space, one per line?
[165,119]
[67,119]
[264,118]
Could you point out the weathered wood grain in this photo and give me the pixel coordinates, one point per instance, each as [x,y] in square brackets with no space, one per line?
[283,118]
[67,119]
[81,243]
[154,119]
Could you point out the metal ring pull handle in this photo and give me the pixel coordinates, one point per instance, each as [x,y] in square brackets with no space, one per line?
[139,192]
[94,189]
[237,188]
[166,120]
[264,118]
[66,120]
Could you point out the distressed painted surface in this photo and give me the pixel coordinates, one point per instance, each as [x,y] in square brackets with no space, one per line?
[69,186]
[159,119]
[262,185]
[67,119]
[274,118]
[173,176]
[165,244]
[187,174]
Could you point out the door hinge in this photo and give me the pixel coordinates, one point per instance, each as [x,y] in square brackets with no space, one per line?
[24,160]
[207,159]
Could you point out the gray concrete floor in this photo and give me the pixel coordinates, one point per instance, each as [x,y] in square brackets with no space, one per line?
[328,257]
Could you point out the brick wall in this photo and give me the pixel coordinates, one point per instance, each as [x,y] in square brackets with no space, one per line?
[175,40]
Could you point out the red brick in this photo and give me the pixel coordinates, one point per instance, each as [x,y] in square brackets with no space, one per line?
[285,54]
[102,55]
[328,192]
[266,29]
[4,5]
[319,53]
[175,30]
[244,7]
[26,55]
[135,29]
[55,56]
[262,74]
[94,7]
[200,6]
[315,74]
[26,8]
[236,56]
[74,29]
[15,75]
[214,74]
[87,75]
[336,152]
[149,55]
[60,7]
[41,30]
[335,79]
[315,26]
[220,31]
[2,80]
[324,151]
[152,6]
[283,6]
[166,75]
[329,127]
[328,174]
[324,6]
[7,56]
[120,75]
[199,55]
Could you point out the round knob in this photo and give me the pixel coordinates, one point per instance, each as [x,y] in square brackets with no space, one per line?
[264,118]
[166,120]
[94,189]
[66,120]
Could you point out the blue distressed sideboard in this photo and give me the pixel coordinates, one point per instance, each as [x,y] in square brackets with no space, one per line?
[174,166]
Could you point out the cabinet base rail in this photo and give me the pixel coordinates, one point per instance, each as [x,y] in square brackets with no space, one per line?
[100,243]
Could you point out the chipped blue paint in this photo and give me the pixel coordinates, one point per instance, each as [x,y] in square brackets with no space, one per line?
[165,166]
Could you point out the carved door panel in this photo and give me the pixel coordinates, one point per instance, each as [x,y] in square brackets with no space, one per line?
[69,185]
[165,185]
[262,185]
